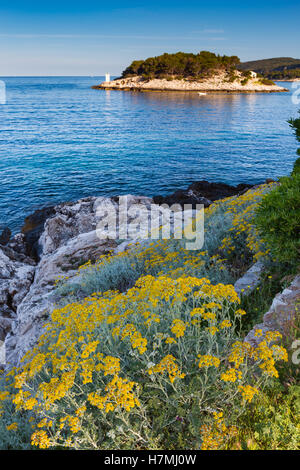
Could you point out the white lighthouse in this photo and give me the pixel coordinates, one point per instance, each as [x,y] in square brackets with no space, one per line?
[107,77]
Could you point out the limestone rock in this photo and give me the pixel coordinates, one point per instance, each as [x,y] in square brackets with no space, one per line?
[250,280]
[281,313]
[15,280]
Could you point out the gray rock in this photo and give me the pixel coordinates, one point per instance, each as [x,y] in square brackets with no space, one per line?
[15,280]
[250,280]
[281,313]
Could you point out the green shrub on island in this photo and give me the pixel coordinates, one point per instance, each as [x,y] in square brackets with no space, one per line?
[201,65]
[266,81]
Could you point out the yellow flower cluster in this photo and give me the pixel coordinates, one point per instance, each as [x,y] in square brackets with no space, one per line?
[107,352]
[119,393]
[12,427]
[215,436]
[231,375]
[40,439]
[178,327]
[168,364]
[207,360]
[247,392]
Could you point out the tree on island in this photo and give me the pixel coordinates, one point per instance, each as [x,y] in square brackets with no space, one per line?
[182,65]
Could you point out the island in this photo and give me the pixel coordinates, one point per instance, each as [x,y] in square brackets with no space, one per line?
[202,72]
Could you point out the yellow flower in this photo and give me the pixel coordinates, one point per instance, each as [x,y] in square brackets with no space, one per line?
[225,324]
[12,427]
[170,340]
[207,360]
[247,392]
[40,439]
[231,375]
[213,330]
[178,327]
[240,312]
[169,365]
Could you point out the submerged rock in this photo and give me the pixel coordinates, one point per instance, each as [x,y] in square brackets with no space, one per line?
[33,228]
[5,236]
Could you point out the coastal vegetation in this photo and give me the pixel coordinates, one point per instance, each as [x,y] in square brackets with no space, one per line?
[145,349]
[279,68]
[182,65]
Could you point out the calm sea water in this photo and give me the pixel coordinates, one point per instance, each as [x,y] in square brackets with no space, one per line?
[60,140]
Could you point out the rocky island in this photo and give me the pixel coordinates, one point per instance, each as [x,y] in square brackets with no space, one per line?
[202,72]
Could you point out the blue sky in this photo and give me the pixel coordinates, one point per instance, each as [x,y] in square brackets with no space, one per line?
[93,37]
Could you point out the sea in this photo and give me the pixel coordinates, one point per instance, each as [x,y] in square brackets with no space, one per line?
[61,140]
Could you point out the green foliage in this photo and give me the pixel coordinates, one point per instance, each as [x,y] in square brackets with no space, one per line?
[279,68]
[284,74]
[245,81]
[266,81]
[272,423]
[182,64]
[296,168]
[295,125]
[278,220]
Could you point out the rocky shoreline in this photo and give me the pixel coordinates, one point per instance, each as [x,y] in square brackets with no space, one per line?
[53,243]
[217,84]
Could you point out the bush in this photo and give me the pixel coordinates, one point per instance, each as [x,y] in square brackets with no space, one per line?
[296,168]
[278,220]
[295,125]
[161,366]
[266,81]
[273,422]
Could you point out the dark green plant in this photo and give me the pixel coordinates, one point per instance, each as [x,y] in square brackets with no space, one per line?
[266,81]
[245,81]
[296,168]
[278,220]
[295,124]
